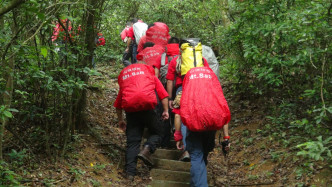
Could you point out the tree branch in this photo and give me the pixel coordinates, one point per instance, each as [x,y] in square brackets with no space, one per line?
[13,4]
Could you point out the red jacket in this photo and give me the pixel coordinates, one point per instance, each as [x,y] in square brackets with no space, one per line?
[138,87]
[130,33]
[171,50]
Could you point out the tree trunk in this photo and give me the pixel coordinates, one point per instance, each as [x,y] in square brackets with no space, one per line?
[90,41]
[7,95]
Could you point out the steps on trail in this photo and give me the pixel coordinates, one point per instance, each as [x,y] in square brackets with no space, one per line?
[168,175]
[158,183]
[167,154]
[171,165]
[169,172]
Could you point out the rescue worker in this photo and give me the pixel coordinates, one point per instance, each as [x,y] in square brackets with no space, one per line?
[137,97]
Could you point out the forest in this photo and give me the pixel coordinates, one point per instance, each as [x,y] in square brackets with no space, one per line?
[57,120]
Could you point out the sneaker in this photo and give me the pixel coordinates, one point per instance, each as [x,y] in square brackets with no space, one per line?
[185,157]
[145,155]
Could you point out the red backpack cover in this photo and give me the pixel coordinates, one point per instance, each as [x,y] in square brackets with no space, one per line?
[158,35]
[137,85]
[150,54]
[203,106]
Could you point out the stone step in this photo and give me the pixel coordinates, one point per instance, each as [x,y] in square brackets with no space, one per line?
[159,183]
[168,175]
[171,165]
[167,154]
[175,176]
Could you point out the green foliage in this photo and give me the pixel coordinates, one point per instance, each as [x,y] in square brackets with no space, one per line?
[17,158]
[7,176]
[77,173]
[317,150]
[6,112]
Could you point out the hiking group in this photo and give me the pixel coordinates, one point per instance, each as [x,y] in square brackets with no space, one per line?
[171,87]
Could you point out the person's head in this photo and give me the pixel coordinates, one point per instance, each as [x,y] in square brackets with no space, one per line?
[173,40]
[148,44]
[151,25]
[128,24]
[133,21]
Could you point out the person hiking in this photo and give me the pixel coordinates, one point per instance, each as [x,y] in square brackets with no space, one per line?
[174,74]
[99,41]
[172,51]
[202,113]
[142,41]
[135,32]
[137,97]
[161,67]
[127,54]
[150,53]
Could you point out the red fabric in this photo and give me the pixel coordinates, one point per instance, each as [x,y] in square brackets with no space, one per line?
[124,33]
[59,30]
[141,44]
[176,111]
[178,136]
[56,31]
[157,35]
[171,51]
[137,88]
[101,39]
[161,24]
[203,105]
[171,73]
[150,54]
[130,33]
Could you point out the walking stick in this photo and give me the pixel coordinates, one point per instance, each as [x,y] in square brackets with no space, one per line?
[224,144]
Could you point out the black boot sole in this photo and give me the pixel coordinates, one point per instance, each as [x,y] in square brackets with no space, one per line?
[145,160]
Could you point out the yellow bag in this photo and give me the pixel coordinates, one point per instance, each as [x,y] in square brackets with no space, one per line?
[191,56]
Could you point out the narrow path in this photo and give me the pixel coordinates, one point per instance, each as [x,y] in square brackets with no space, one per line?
[168,171]
[256,157]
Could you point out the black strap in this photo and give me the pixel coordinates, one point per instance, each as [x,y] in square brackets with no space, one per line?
[195,63]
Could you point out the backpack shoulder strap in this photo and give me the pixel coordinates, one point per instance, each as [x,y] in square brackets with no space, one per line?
[163,59]
[172,57]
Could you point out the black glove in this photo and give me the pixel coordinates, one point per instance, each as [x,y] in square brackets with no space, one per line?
[224,144]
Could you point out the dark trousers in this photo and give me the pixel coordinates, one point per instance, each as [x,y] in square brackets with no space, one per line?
[127,55]
[134,53]
[136,121]
[165,125]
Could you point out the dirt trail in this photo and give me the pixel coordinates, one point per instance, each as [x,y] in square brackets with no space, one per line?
[256,159]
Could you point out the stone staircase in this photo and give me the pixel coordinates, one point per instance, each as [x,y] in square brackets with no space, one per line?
[168,171]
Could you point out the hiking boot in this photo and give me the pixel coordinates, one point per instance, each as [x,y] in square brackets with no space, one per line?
[145,155]
[185,157]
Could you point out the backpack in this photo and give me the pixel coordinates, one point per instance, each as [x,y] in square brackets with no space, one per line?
[139,30]
[150,54]
[203,105]
[210,57]
[137,83]
[191,56]
[164,67]
[158,35]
